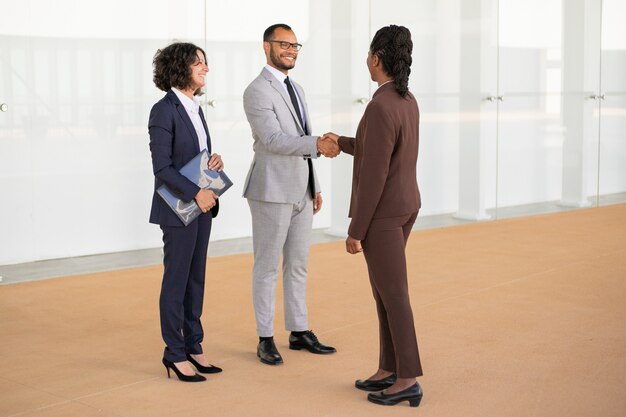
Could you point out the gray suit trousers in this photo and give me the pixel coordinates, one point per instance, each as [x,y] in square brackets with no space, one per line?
[279,228]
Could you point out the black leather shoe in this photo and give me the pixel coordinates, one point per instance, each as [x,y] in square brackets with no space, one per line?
[309,341]
[412,394]
[203,369]
[375,385]
[267,352]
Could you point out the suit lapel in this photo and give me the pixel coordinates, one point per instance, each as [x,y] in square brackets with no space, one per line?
[281,90]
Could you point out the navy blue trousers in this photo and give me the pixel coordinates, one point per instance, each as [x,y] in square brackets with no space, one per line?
[182,290]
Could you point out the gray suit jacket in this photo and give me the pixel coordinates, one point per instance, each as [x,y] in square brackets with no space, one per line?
[279,172]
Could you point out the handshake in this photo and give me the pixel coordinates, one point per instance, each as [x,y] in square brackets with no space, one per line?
[327,145]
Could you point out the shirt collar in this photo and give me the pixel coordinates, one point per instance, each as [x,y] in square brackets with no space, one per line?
[386,82]
[381,87]
[191,105]
[277,74]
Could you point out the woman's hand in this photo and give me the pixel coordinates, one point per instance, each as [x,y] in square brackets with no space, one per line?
[215,163]
[206,199]
[353,246]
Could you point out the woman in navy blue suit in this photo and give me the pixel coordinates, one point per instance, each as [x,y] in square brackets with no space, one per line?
[178,132]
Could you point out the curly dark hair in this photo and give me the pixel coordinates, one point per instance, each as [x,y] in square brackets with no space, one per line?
[393,46]
[172,66]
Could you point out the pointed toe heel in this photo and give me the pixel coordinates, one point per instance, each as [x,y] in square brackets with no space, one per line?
[185,378]
[211,369]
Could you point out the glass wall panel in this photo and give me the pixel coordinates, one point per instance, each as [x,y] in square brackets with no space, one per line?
[16,147]
[547,71]
[454,67]
[612,170]
[532,152]
[521,112]
[73,144]
[438,167]
[350,91]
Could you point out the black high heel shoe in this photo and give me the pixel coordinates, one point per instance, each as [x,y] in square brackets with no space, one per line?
[186,378]
[375,385]
[412,394]
[204,369]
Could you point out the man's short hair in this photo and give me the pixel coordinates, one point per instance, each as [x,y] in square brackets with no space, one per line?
[269,32]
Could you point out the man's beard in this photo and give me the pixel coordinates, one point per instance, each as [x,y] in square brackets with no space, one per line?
[278,64]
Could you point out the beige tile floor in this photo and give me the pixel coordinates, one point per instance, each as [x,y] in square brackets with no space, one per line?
[519,317]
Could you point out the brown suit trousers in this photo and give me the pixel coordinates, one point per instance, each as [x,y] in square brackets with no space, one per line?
[384,250]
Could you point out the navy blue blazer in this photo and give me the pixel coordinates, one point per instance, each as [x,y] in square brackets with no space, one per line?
[173,143]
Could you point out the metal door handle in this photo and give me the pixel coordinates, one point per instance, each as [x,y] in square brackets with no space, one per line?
[362,100]
[4,107]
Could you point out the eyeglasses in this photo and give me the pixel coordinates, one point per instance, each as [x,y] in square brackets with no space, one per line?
[287,45]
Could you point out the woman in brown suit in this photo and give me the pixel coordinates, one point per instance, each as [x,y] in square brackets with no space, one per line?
[384,205]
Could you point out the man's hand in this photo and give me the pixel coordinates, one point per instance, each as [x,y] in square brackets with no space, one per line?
[333,136]
[206,199]
[317,203]
[353,246]
[327,147]
[215,163]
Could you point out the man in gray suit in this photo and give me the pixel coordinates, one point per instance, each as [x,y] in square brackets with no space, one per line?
[283,193]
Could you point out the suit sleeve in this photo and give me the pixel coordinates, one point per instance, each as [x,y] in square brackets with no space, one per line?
[161,130]
[378,142]
[346,144]
[261,115]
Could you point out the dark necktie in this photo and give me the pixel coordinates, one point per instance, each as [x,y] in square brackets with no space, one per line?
[294,101]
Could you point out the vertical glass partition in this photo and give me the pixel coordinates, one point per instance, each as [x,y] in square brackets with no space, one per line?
[547,70]
[16,143]
[612,102]
[75,169]
[530,138]
[453,71]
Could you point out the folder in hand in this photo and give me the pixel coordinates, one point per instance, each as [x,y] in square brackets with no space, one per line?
[197,171]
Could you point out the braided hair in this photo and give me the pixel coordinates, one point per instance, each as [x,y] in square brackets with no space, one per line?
[393,46]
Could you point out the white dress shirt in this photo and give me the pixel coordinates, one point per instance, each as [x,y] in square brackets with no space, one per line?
[193,110]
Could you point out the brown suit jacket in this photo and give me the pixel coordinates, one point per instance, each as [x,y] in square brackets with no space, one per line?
[384,177]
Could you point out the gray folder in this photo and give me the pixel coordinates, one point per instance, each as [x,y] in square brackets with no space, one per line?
[197,171]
